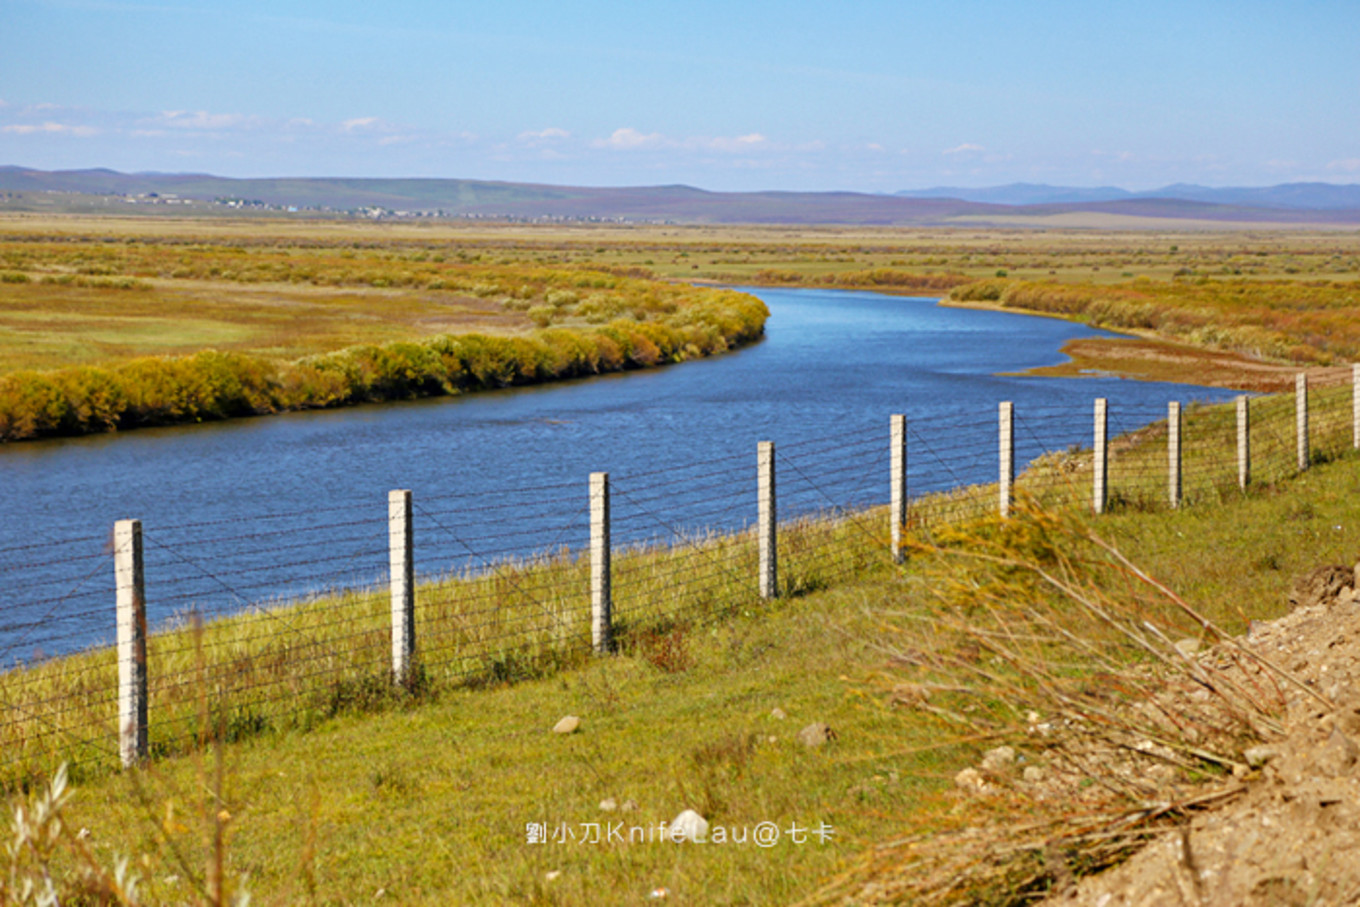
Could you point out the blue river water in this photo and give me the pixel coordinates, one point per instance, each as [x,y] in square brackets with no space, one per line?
[250,510]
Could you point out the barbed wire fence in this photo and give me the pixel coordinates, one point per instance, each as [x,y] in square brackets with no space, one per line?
[285,620]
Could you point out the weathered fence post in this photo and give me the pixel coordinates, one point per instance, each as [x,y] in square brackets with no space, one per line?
[1355,406]
[898,481]
[1173,452]
[1101,472]
[1006,428]
[1243,441]
[1301,418]
[130,584]
[401,561]
[601,590]
[766,519]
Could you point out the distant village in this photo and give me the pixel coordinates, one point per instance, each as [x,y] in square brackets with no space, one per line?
[367,212]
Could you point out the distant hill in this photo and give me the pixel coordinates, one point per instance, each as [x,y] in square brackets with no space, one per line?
[1305,196]
[1299,203]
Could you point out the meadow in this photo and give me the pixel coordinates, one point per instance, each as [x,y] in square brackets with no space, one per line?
[330,785]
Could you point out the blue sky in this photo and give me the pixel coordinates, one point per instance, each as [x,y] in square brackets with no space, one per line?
[867,96]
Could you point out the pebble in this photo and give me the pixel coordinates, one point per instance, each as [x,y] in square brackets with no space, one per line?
[816,734]
[567,725]
[689,826]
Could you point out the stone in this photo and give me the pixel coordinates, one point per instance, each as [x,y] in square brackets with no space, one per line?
[567,725]
[552,874]
[1258,756]
[998,760]
[609,804]
[689,826]
[970,781]
[1337,756]
[1033,774]
[1187,646]
[629,806]
[778,714]
[816,734]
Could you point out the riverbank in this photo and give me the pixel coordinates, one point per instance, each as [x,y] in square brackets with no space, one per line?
[1147,356]
[624,324]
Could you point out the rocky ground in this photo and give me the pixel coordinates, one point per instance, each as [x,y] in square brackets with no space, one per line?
[1286,829]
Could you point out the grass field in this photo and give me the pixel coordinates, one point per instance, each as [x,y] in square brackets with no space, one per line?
[429,802]
[328,786]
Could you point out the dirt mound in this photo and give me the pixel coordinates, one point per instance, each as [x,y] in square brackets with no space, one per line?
[1287,831]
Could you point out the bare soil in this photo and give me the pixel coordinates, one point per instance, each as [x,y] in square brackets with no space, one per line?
[1286,830]
[1160,360]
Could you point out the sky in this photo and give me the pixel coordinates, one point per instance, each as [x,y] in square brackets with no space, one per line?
[861,95]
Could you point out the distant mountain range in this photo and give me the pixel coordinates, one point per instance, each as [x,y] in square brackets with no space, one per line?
[1304,196]
[1017,204]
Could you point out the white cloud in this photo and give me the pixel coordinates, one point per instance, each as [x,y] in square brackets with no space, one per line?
[552,133]
[629,139]
[1345,165]
[965,148]
[202,119]
[49,128]
[738,144]
[359,123]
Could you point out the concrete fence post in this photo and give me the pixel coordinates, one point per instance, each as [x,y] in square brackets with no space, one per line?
[1355,406]
[1301,418]
[898,482]
[1006,439]
[767,520]
[401,561]
[1243,441]
[1100,480]
[130,584]
[1173,452]
[601,589]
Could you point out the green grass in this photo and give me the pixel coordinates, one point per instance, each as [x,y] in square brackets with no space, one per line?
[338,793]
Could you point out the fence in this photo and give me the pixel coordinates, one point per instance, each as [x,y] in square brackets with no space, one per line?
[233,655]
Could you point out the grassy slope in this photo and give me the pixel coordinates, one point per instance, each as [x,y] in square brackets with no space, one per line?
[429,804]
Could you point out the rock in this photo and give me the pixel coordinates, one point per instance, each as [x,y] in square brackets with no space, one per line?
[778,714]
[998,760]
[689,826]
[1187,646]
[1321,586]
[567,725]
[609,804]
[816,734]
[629,806]
[1258,756]
[1337,756]
[1033,774]
[552,874]
[970,781]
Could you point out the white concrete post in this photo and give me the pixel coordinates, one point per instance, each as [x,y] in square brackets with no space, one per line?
[1006,430]
[601,590]
[1101,478]
[766,520]
[130,584]
[1243,441]
[1355,406]
[401,559]
[1301,417]
[1173,452]
[898,482]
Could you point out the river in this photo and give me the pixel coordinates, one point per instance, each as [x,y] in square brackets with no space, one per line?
[249,510]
